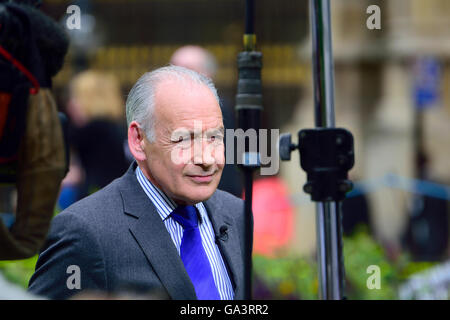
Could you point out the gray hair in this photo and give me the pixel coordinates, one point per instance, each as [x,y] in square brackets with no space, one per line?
[140,103]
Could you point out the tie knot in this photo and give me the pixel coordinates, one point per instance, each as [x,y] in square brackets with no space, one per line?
[186,216]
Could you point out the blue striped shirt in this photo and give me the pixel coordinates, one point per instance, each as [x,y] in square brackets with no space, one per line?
[164,205]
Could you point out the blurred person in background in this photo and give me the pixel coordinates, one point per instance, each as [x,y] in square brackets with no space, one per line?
[97,135]
[201,60]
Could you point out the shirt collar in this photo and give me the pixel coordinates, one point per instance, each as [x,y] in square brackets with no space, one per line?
[163,203]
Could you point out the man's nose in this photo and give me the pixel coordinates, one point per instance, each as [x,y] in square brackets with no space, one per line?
[203,153]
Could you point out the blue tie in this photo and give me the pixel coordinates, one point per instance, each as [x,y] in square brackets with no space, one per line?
[193,254]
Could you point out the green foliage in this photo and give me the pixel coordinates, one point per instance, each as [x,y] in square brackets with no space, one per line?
[294,277]
[19,271]
[360,252]
[414,267]
[284,278]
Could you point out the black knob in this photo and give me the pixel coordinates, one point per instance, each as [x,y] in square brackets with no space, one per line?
[286,146]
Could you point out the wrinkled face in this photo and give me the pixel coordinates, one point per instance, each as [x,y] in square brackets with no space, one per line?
[187,157]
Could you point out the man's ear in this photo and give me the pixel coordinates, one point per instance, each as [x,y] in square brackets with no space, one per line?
[136,141]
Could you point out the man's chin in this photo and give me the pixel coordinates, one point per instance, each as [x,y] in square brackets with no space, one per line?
[198,194]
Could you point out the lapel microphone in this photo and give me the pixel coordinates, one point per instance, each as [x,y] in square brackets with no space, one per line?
[223,235]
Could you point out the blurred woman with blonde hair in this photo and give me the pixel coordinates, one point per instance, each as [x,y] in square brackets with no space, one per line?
[97,134]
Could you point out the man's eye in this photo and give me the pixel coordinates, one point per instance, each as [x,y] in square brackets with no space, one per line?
[216,138]
[181,139]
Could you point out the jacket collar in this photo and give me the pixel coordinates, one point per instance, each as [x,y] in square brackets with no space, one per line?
[152,237]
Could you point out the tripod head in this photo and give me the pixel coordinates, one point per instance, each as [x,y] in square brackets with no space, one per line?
[326,155]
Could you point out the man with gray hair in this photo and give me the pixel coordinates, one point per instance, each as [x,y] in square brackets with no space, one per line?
[203,61]
[163,226]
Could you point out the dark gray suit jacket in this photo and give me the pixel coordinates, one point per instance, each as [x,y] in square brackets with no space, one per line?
[118,240]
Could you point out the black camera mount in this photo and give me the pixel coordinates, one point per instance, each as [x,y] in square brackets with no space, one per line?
[326,155]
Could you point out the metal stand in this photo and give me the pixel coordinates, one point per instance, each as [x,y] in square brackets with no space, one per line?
[326,154]
[328,219]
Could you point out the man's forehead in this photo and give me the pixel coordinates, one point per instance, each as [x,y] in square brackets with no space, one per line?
[178,84]
[186,102]
[200,128]
[195,126]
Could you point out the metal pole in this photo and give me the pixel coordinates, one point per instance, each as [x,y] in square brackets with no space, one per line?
[328,219]
[248,108]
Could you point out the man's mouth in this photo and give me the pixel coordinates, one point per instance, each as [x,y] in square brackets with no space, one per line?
[202,178]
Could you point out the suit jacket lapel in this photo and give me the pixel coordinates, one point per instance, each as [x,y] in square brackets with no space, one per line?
[229,245]
[151,235]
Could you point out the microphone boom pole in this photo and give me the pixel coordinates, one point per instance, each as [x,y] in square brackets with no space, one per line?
[248,109]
